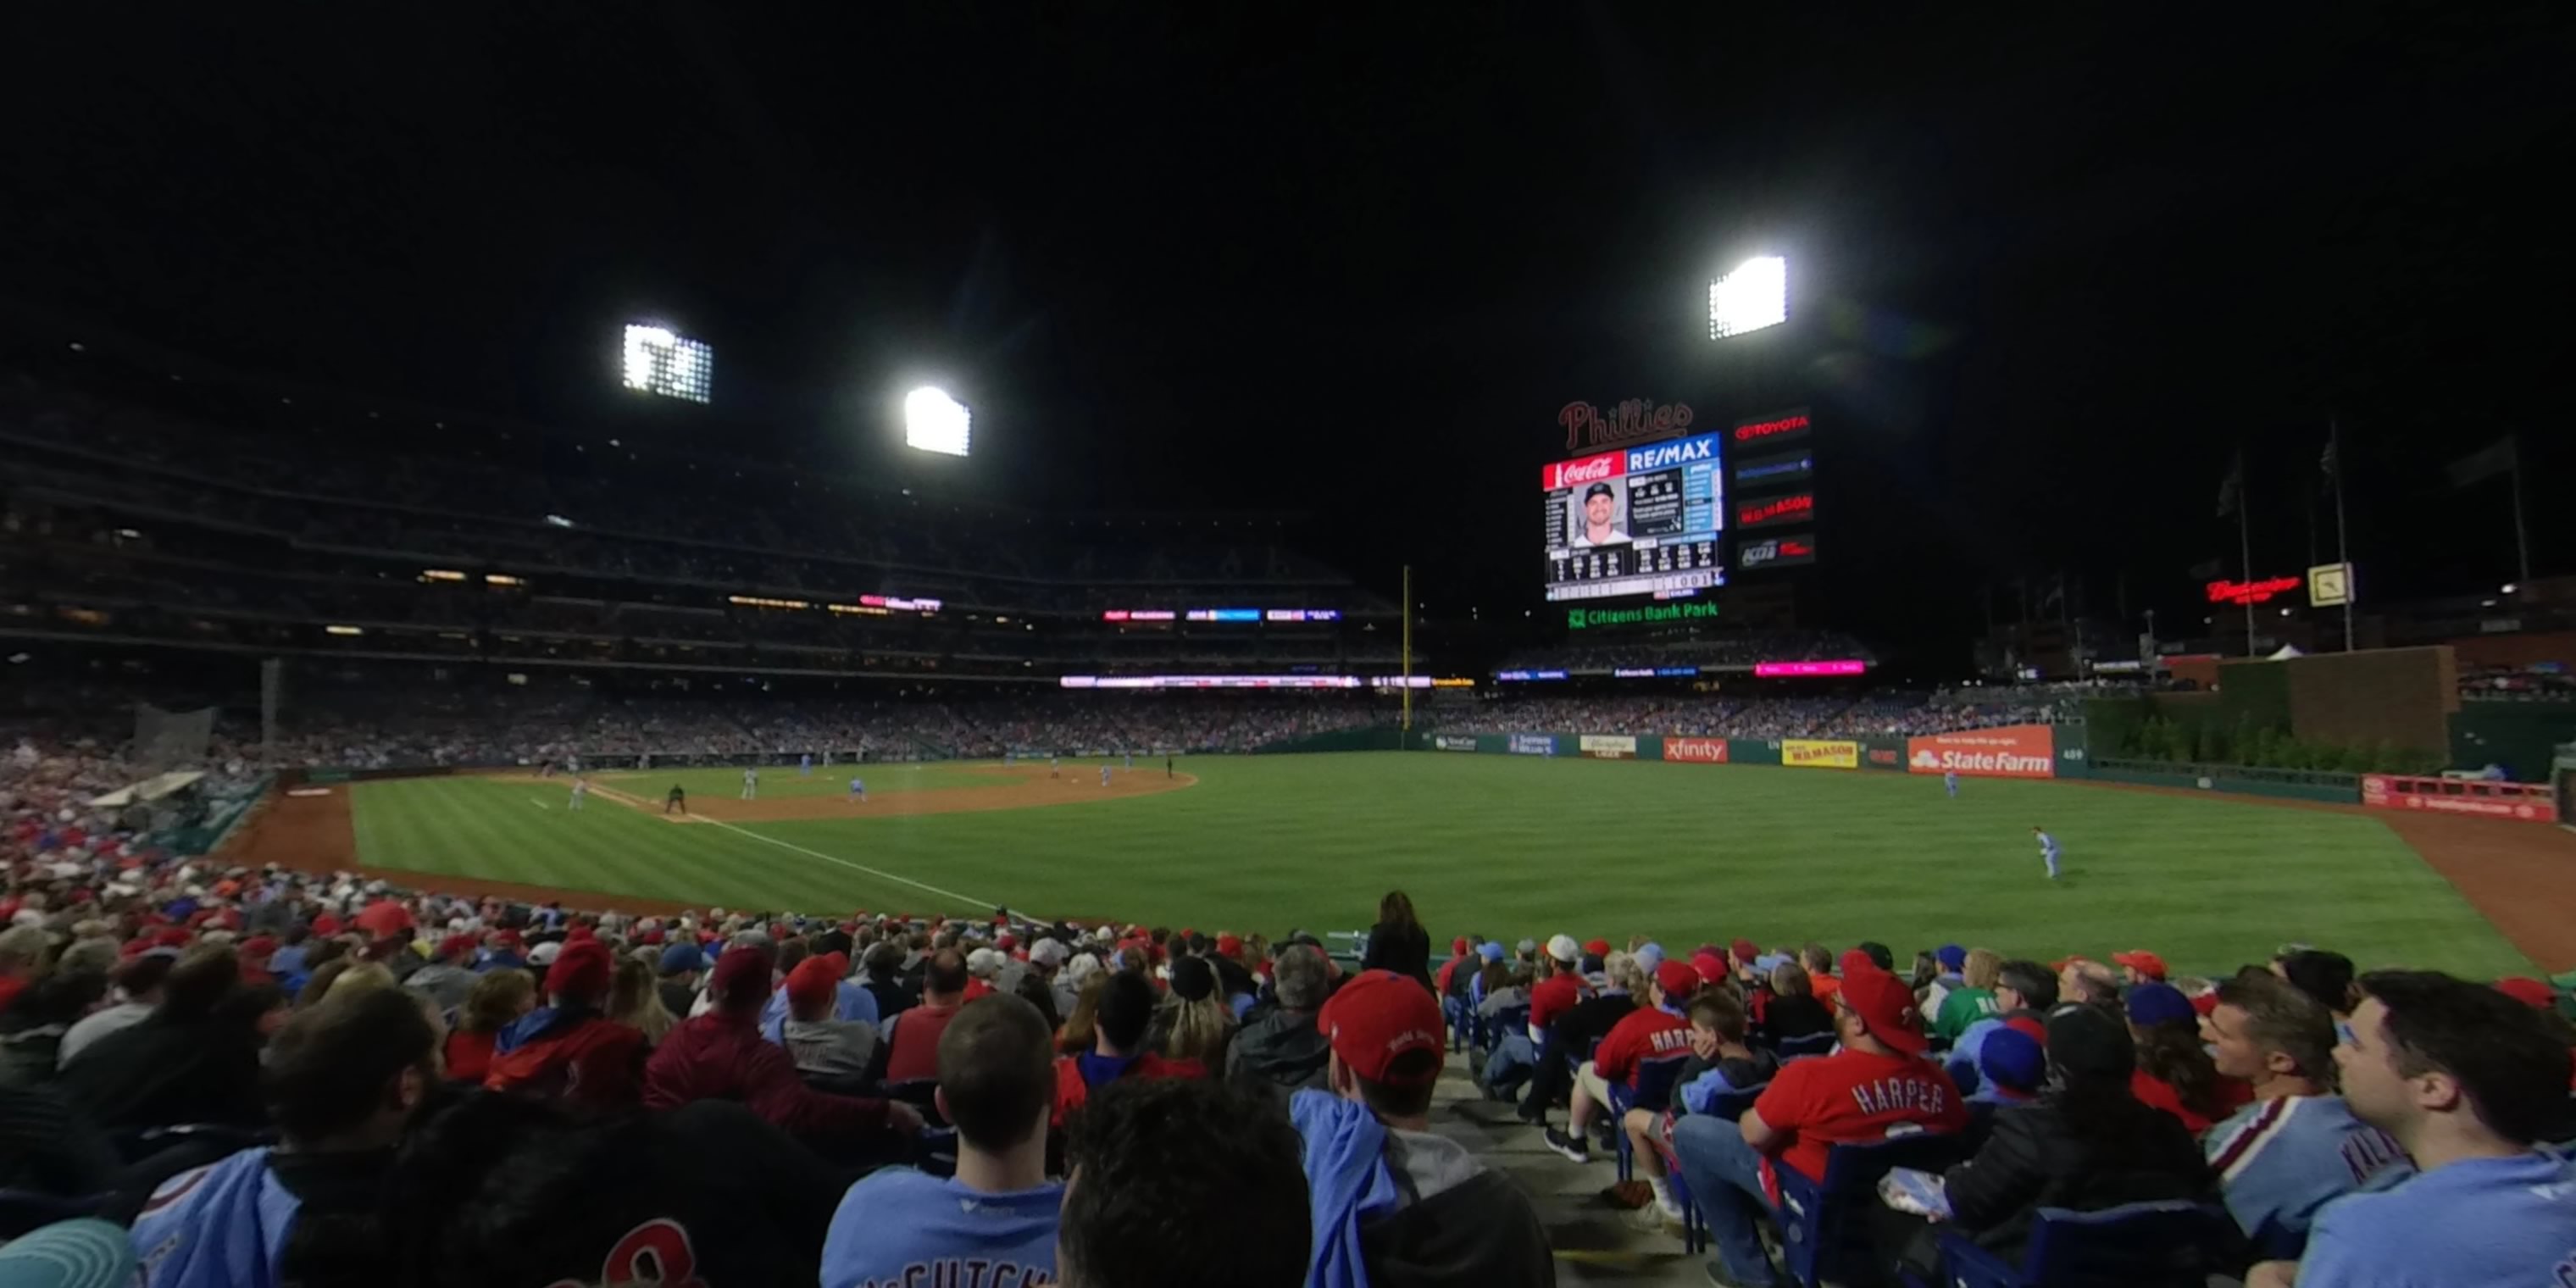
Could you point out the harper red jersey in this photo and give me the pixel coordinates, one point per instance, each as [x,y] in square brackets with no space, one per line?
[1553,997]
[1852,1097]
[1640,1035]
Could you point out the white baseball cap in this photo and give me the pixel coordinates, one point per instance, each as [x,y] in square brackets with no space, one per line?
[544,954]
[1564,949]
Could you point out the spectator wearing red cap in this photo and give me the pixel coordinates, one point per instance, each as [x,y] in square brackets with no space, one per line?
[1392,1201]
[721,1056]
[1659,1030]
[2138,966]
[570,1050]
[1398,942]
[827,1049]
[448,978]
[1879,1080]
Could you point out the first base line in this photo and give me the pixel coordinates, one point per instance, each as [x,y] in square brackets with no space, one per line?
[855,867]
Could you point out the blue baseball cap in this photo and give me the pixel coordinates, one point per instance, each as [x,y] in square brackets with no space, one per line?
[683,957]
[2012,1059]
[1951,956]
[2160,1004]
[1491,950]
[1769,962]
[1650,956]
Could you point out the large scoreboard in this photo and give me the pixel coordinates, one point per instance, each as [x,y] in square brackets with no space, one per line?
[1644,520]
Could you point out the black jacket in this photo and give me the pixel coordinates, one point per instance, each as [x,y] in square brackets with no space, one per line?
[1793,1017]
[167,1070]
[1484,1232]
[1406,950]
[2033,1158]
[1280,1051]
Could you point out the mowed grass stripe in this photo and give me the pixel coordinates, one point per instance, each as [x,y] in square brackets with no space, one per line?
[1523,847]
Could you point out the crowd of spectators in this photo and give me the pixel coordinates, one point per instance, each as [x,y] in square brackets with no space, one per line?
[1706,649]
[270,1076]
[1840,715]
[2549,683]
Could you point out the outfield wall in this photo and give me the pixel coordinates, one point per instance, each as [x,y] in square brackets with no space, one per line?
[2010,751]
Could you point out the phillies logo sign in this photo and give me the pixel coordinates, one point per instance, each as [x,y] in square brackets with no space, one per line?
[1587,425]
[1591,469]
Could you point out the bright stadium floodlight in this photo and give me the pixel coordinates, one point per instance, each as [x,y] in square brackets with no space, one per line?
[1752,297]
[661,362]
[935,422]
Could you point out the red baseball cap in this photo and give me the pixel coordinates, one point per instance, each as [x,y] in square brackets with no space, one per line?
[1378,1016]
[813,983]
[1678,979]
[2142,961]
[1710,966]
[1597,947]
[583,970]
[454,944]
[1458,946]
[1886,1008]
[2528,991]
[1229,946]
[741,978]
[1744,950]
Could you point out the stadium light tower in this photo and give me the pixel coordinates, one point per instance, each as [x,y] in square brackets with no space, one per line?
[660,362]
[1752,297]
[935,422]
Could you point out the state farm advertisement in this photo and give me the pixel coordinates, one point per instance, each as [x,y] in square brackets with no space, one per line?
[2013,751]
[1696,751]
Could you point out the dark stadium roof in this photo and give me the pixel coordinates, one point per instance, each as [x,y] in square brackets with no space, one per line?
[2052,268]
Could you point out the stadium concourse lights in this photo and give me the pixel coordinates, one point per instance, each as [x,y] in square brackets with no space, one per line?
[935,422]
[1754,296]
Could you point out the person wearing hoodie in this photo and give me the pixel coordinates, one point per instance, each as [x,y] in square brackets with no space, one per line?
[571,1050]
[343,1082]
[2023,989]
[1394,1204]
[1283,1052]
[449,977]
[721,1056]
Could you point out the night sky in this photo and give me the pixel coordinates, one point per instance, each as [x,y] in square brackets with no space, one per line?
[2047,273]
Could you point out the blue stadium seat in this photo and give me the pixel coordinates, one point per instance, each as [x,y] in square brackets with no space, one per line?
[1817,1231]
[1656,1079]
[2141,1243]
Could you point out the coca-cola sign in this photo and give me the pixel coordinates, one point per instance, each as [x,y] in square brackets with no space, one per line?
[1583,472]
[1636,418]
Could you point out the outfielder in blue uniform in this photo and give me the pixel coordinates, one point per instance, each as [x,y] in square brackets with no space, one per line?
[1950,779]
[858,791]
[2048,851]
[805,764]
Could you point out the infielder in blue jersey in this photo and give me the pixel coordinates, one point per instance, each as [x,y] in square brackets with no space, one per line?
[1950,779]
[2048,851]
[1104,775]
[858,792]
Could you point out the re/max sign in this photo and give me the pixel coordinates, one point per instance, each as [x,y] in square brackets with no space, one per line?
[1584,618]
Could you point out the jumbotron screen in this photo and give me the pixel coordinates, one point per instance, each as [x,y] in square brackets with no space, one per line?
[1643,520]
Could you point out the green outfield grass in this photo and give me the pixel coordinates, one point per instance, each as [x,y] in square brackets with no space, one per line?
[1514,847]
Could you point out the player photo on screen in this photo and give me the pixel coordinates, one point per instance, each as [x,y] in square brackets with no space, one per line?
[1599,519]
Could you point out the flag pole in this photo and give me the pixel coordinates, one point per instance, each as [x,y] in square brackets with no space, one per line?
[2343,552]
[2521,535]
[2245,544]
[1407,689]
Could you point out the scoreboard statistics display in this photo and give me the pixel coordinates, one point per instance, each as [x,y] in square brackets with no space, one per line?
[1644,520]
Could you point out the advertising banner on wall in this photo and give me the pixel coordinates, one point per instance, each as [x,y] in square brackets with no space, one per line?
[1533,744]
[2520,802]
[1819,753]
[1450,742]
[1696,751]
[1882,753]
[2013,751]
[1609,746]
